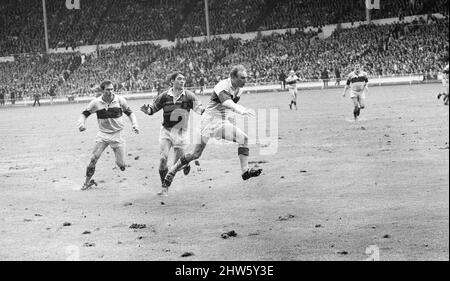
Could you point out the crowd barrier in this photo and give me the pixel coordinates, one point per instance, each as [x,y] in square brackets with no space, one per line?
[272,87]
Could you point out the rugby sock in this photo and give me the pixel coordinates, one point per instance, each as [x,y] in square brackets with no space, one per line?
[162,174]
[243,153]
[90,171]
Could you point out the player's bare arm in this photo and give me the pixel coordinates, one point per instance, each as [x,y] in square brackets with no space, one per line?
[238,108]
[345,91]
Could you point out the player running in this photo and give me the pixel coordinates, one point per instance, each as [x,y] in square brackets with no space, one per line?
[291,82]
[445,84]
[176,104]
[109,109]
[215,124]
[357,82]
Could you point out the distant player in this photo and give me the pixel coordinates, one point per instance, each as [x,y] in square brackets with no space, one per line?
[357,83]
[215,124]
[2,96]
[291,82]
[109,109]
[444,94]
[176,104]
[36,97]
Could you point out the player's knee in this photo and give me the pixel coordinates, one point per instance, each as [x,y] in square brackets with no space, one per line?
[94,158]
[194,156]
[244,141]
[163,160]
[185,159]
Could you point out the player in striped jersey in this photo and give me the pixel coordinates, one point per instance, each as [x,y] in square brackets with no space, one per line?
[176,104]
[445,84]
[291,82]
[357,83]
[216,124]
[109,109]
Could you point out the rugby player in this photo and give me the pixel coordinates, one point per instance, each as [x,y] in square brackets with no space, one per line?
[291,82]
[176,104]
[445,84]
[216,124]
[357,82]
[109,109]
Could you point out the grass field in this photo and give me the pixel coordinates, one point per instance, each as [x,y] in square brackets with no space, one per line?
[333,188]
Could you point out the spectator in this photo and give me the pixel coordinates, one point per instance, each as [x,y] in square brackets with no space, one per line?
[282,79]
[325,78]
[337,76]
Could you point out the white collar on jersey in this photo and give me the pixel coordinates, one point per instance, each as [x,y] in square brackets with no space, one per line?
[170,92]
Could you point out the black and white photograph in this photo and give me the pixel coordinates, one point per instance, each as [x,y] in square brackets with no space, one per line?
[256,131]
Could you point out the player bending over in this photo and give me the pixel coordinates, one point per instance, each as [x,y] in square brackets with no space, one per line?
[215,124]
[357,83]
[176,104]
[109,109]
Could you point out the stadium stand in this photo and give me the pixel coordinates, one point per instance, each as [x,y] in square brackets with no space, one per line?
[394,49]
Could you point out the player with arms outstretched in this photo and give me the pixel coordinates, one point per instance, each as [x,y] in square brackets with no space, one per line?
[109,109]
[176,104]
[357,83]
[215,124]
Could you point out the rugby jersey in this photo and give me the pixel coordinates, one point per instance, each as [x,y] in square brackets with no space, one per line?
[291,81]
[109,116]
[222,92]
[357,81]
[176,112]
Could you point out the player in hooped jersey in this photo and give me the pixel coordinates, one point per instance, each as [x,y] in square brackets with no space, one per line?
[291,82]
[445,85]
[176,104]
[357,83]
[109,109]
[215,124]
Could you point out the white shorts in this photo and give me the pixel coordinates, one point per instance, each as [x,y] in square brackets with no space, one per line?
[212,125]
[112,139]
[354,94]
[177,137]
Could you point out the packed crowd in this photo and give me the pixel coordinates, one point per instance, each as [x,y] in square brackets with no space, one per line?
[317,13]
[131,20]
[394,49]
[232,16]
[34,74]
[20,27]
[110,21]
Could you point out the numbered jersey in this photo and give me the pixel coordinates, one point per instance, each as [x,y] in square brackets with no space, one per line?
[176,112]
[357,82]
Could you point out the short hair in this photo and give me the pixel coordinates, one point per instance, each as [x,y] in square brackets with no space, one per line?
[174,75]
[104,83]
[236,69]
